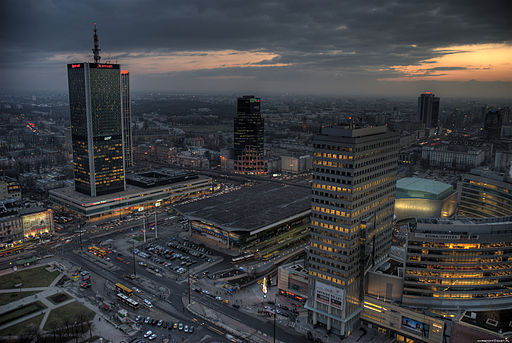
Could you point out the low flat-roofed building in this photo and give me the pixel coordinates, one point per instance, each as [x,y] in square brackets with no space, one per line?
[404,324]
[292,281]
[252,216]
[143,191]
[486,326]
[424,198]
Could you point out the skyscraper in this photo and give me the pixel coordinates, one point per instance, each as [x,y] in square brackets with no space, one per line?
[96,125]
[428,110]
[353,193]
[249,136]
[127,118]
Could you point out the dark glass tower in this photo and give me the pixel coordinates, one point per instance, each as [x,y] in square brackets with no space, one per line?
[249,131]
[96,126]
[428,110]
[127,118]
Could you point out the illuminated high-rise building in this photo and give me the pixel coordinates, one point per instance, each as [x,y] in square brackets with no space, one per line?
[428,110]
[249,136]
[353,194]
[96,125]
[127,118]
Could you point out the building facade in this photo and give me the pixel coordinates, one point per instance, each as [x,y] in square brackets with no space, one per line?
[353,194]
[485,194]
[428,110]
[452,156]
[249,136]
[127,119]
[459,264]
[96,126]
[9,188]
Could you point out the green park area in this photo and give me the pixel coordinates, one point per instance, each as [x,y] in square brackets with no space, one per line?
[27,278]
[24,326]
[59,298]
[72,312]
[21,312]
[6,298]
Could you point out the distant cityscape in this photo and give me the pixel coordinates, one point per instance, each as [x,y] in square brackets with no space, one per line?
[157,216]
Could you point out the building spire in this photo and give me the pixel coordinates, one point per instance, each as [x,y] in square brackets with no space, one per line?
[96,50]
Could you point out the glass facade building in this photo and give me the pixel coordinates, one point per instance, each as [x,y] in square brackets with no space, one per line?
[353,194]
[127,118]
[459,264]
[249,136]
[428,110]
[96,128]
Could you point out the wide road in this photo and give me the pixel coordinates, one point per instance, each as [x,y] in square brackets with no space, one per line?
[173,305]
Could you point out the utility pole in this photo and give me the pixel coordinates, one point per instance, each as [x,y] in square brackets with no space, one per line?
[133,254]
[144,228]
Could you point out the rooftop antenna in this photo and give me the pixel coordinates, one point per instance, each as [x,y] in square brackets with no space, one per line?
[96,50]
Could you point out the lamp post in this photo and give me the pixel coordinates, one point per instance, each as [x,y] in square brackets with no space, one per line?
[188,279]
[133,254]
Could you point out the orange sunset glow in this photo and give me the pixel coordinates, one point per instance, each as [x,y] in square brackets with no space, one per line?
[153,63]
[481,62]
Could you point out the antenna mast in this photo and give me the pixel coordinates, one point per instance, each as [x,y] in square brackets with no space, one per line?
[96,50]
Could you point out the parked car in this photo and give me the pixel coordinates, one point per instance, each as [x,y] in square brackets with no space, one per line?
[148,333]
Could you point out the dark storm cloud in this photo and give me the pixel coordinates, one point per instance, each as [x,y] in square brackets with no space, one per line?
[346,38]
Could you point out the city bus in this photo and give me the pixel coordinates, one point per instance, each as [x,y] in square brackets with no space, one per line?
[128,301]
[15,249]
[123,289]
[97,251]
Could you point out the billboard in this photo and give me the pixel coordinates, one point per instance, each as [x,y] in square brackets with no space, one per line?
[415,326]
[329,295]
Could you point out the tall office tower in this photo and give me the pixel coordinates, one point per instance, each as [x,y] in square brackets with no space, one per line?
[127,119]
[96,125]
[428,110]
[353,194]
[249,136]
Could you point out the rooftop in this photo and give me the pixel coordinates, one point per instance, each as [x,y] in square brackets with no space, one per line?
[251,208]
[415,187]
[498,321]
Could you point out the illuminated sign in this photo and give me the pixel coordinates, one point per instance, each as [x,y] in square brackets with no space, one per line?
[264,287]
[124,72]
[76,66]
[107,138]
[105,66]
[141,209]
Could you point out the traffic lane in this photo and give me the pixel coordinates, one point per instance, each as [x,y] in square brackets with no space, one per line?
[284,334]
[113,276]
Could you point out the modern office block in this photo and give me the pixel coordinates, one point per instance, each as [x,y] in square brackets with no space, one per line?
[353,194]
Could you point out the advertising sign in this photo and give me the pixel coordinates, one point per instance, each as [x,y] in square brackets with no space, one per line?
[329,295]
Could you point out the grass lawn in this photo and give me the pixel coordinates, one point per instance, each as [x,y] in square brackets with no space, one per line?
[6,298]
[58,298]
[21,311]
[34,277]
[22,327]
[71,312]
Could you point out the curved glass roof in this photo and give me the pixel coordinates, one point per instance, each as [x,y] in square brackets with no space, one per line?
[415,187]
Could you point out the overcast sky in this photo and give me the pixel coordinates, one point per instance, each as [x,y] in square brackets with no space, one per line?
[374,48]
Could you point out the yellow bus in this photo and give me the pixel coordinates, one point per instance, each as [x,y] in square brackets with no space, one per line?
[123,289]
